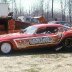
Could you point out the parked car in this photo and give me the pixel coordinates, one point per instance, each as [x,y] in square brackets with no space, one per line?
[60,22]
[38,35]
[23,22]
[36,20]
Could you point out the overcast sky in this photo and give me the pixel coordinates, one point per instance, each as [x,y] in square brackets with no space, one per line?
[28,4]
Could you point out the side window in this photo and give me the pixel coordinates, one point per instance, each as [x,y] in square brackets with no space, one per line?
[51,30]
[28,19]
[41,31]
[47,30]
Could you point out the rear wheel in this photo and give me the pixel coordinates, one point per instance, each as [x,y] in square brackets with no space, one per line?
[67,43]
[6,48]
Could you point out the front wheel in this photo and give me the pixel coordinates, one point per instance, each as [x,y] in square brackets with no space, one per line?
[6,48]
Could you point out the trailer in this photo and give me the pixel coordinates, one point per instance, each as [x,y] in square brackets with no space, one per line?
[4,9]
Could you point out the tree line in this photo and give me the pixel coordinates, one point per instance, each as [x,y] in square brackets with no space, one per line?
[44,9]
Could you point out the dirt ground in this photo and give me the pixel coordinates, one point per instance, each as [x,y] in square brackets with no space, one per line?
[36,61]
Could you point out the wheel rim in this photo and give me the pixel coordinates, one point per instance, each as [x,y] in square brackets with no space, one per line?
[5,48]
[68,42]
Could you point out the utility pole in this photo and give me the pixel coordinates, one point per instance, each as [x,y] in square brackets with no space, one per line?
[52,9]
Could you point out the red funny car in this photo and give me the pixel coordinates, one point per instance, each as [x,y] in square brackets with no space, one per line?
[38,35]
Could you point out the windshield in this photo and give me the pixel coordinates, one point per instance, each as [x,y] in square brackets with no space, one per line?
[34,20]
[29,30]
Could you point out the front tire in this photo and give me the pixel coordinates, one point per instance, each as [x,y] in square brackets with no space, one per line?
[6,48]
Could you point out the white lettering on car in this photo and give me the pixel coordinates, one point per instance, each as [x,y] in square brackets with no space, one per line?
[40,40]
[25,42]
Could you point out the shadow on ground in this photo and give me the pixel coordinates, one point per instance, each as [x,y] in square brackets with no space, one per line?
[37,51]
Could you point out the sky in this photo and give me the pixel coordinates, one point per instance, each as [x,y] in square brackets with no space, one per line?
[26,5]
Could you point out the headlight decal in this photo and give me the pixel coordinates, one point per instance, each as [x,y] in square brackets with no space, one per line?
[21,43]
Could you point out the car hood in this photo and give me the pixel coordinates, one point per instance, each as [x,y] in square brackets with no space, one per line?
[9,35]
[13,36]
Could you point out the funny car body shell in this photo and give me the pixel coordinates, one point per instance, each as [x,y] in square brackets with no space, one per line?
[37,36]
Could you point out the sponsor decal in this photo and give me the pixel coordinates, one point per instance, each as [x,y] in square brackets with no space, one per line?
[40,40]
[25,42]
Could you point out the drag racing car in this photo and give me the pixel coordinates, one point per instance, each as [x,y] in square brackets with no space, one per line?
[39,35]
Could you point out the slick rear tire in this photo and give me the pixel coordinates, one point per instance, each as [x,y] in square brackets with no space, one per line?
[6,48]
[67,44]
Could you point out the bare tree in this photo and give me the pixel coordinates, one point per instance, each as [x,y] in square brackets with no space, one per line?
[41,6]
[4,1]
[63,8]
[46,9]
[69,7]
